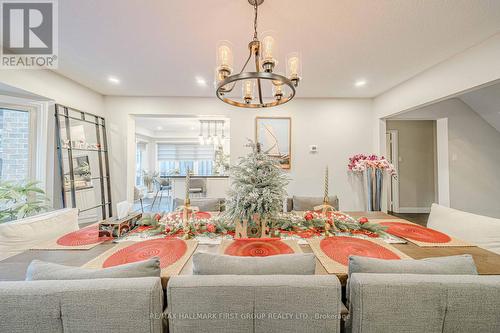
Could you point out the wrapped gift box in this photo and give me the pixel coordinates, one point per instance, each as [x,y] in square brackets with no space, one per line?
[119,227]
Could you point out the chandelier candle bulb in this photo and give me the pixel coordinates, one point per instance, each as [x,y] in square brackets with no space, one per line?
[248,86]
[293,67]
[224,59]
[268,47]
[278,91]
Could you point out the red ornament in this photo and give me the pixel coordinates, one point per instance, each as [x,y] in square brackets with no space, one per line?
[211,228]
[363,220]
[308,216]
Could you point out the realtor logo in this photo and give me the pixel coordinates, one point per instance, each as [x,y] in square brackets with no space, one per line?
[29,34]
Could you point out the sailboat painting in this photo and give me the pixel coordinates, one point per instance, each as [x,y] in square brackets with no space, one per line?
[274,136]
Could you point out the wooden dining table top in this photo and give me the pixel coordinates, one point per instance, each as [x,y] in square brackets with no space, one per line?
[14,268]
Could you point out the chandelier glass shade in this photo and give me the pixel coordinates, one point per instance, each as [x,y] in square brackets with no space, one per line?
[279,88]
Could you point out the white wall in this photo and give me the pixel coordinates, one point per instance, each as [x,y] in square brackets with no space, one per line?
[55,87]
[473,154]
[476,66]
[340,128]
[52,88]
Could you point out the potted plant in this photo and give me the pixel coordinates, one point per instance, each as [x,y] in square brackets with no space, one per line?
[19,200]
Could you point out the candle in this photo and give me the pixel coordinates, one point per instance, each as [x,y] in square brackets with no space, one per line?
[188,177]
[326,185]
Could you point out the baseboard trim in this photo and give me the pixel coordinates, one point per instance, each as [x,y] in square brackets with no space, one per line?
[417,210]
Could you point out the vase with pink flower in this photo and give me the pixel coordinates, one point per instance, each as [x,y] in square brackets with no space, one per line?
[373,168]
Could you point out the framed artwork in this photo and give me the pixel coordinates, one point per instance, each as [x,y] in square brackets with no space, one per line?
[274,136]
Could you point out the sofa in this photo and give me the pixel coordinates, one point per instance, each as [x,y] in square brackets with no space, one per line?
[424,303]
[132,305]
[19,235]
[482,231]
[254,303]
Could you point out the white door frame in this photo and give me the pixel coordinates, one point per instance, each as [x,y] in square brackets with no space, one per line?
[392,150]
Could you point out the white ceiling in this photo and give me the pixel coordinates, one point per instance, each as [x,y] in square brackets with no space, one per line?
[158,47]
[486,102]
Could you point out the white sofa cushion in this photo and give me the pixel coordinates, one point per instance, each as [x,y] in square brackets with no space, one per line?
[482,231]
[18,236]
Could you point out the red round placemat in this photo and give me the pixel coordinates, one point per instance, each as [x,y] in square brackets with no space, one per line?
[85,236]
[415,232]
[257,247]
[169,250]
[197,215]
[339,248]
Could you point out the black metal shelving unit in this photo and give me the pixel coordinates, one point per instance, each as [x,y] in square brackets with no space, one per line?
[65,119]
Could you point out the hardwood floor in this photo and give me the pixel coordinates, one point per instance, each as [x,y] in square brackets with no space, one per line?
[418,218]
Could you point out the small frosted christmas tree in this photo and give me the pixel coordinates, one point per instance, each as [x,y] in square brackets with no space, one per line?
[257,187]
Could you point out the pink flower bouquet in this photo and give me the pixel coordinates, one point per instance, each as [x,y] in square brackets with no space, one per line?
[360,162]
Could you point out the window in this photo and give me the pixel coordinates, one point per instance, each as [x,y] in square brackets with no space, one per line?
[177,158]
[15,152]
[140,162]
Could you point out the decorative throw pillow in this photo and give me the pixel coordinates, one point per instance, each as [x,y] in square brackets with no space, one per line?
[460,265]
[41,270]
[215,264]
[454,265]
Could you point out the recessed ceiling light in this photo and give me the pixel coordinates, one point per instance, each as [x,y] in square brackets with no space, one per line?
[159,128]
[360,83]
[114,79]
[201,81]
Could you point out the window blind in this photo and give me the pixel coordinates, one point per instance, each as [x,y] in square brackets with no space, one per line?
[184,152]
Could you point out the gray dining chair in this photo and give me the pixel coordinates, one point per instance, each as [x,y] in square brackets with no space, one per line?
[198,187]
[162,184]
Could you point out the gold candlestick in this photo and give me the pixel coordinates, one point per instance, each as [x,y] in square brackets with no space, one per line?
[186,209]
[188,179]
[325,197]
[325,207]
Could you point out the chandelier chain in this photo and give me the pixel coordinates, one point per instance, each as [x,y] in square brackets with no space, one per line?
[255,21]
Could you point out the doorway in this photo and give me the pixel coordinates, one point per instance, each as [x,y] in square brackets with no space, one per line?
[412,148]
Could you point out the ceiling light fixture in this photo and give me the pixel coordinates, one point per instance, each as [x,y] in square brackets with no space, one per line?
[201,81]
[208,139]
[360,83]
[114,80]
[283,87]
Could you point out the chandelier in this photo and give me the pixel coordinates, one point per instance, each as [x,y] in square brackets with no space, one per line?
[282,87]
[216,137]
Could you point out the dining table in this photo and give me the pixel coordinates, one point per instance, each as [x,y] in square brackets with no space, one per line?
[14,268]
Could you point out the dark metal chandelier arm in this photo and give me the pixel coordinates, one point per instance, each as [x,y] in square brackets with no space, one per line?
[257,69]
[242,69]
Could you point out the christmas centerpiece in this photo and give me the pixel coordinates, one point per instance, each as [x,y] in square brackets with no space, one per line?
[256,195]
[254,209]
